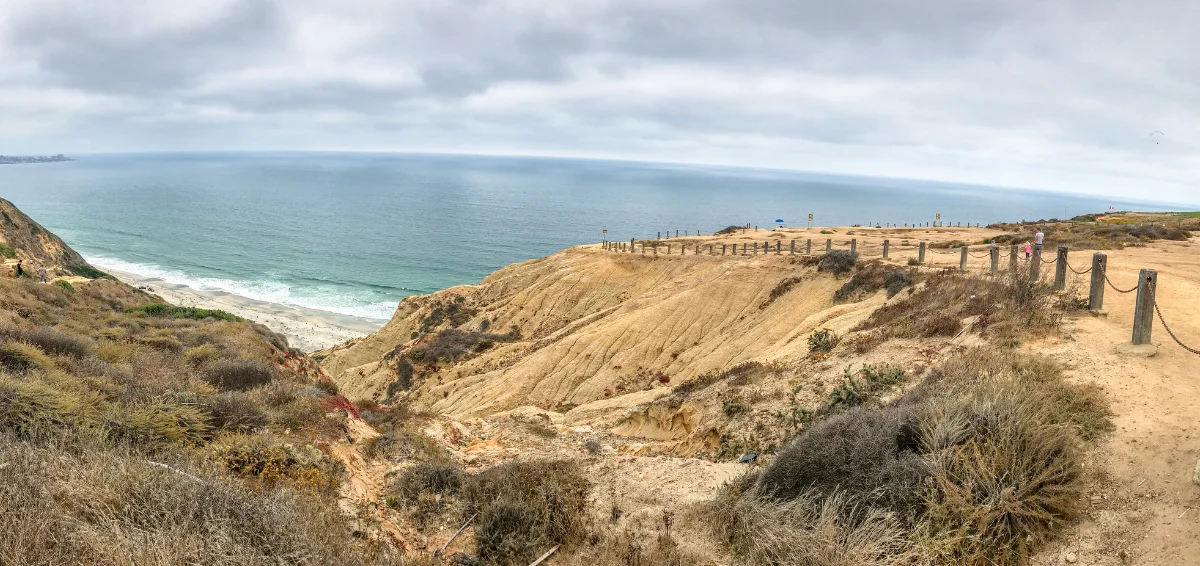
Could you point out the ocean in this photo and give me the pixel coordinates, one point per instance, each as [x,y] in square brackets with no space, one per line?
[353,233]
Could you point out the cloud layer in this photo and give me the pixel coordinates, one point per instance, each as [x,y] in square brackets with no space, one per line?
[1057,95]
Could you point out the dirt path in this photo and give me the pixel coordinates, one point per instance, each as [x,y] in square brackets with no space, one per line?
[1143,508]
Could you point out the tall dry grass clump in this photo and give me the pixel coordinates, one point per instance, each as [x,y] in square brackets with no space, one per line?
[965,468]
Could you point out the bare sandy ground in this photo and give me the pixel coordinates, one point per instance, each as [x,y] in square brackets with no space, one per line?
[306,329]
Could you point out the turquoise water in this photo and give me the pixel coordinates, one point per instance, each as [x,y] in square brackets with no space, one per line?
[354,233]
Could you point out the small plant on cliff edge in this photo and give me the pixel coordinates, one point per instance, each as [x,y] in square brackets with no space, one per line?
[838,262]
[822,341]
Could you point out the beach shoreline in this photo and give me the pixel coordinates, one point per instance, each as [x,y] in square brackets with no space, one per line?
[306,329]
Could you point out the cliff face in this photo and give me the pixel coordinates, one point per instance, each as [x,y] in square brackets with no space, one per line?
[28,240]
[598,332]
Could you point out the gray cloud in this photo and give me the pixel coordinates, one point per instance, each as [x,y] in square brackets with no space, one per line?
[1057,95]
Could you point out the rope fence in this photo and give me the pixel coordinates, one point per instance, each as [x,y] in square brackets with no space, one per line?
[1147,308]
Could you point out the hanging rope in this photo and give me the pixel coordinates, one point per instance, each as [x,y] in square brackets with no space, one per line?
[1168,328]
[1114,287]
[1077,272]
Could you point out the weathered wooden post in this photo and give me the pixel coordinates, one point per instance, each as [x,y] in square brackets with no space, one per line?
[778,246]
[1035,264]
[655,248]
[885,248]
[853,245]
[722,249]
[697,249]
[755,248]
[710,252]
[677,233]
[792,248]
[1012,257]
[962,259]
[808,247]
[1096,294]
[994,252]
[1060,269]
[631,243]
[1143,313]
[921,254]
[828,244]
[659,236]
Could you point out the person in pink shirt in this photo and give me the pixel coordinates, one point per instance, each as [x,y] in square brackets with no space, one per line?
[1028,250]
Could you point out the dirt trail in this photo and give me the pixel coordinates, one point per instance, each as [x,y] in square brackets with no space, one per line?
[1144,508]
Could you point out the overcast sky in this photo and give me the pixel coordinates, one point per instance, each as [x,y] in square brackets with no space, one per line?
[1037,93]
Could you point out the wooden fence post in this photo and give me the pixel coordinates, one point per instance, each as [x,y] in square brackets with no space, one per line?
[631,243]
[853,245]
[1143,313]
[885,248]
[755,248]
[962,259]
[722,249]
[921,254]
[677,233]
[1012,257]
[828,244]
[1035,264]
[1060,269]
[808,247]
[792,248]
[1096,295]
[994,252]
[697,249]
[778,246]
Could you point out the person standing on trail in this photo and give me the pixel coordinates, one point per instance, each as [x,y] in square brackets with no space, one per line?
[1028,250]
[1038,239]
[42,273]
[20,270]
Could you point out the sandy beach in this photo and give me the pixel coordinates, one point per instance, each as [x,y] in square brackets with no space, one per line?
[306,329]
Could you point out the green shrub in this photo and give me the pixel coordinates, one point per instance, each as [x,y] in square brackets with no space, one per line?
[7,251]
[165,310]
[65,286]
[822,341]
[88,271]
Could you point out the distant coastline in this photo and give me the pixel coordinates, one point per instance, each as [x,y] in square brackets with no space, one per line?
[19,159]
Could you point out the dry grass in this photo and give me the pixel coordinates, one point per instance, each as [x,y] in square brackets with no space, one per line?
[76,500]
[1012,306]
[525,508]
[965,468]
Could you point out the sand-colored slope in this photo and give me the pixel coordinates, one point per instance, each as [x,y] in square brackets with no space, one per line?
[597,324]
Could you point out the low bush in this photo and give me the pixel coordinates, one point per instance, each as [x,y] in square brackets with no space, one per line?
[238,374]
[7,251]
[433,478]
[88,271]
[822,341]
[838,262]
[236,411]
[872,277]
[527,507]
[780,290]
[728,230]
[197,356]
[256,458]
[57,343]
[172,311]
[19,358]
[452,344]
[65,286]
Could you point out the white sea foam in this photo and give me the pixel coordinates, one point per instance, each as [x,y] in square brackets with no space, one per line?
[263,290]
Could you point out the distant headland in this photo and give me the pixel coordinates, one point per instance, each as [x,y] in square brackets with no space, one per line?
[16,159]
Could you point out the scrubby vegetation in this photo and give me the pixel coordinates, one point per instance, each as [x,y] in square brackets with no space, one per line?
[966,468]
[1099,232]
[1011,307]
[838,262]
[162,309]
[872,277]
[7,251]
[134,434]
